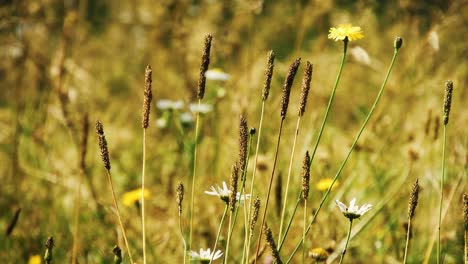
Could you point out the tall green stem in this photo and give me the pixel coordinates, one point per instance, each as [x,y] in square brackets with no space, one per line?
[182,236]
[330,101]
[269,191]
[304,232]
[194,173]
[281,241]
[289,177]
[441,194]
[363,126]
[347,241]
[219,231]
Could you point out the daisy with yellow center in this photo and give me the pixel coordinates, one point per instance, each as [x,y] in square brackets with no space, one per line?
[346,30]
[131,197]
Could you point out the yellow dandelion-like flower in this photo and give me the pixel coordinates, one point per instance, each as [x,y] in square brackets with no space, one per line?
[36,259]
[346,30]
[324,184]
[131,197]
[319,254]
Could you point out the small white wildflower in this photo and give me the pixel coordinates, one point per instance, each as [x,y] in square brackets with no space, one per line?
[161,122]
[223,193]
[216,75]
[433,40]
[201,108]
[205,256]
[186,118]
[165,104]
[353,211]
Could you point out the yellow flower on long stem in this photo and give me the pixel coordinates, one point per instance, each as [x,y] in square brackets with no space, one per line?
[131,197]
[346,30]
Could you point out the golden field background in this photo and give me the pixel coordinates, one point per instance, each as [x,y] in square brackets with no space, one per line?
[62,60]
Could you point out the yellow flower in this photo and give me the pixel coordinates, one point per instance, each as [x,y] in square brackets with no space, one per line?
[36,259]
[346,30]
[324,184]
[319,254]
[131,197]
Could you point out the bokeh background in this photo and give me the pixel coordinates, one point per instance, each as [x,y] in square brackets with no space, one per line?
[65,61]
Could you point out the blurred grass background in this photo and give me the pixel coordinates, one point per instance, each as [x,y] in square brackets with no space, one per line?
[63,59]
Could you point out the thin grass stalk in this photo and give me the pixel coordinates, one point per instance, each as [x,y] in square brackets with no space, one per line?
[226,254]
[441,194]
[143,229]
[269,190]
[252,222]
[447,105]
[413,202]
[280,243]
[219,231]
[408,232]
[244,173]
[291,159]
[363,126]
[194,174]
[347,241]
[179,199]
[288,82]
[246,210]
[119,217]
[304,224]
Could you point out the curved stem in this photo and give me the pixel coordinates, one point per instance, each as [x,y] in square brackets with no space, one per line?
[441,193]
[194,173]
[347,241]
[338,174]
[289,177]
[269,191]
[182,236]
[408,231]
[330,101]
[281,242]
[219,231]
[143,229]
[109,178]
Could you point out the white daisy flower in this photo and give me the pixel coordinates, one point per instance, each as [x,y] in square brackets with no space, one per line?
[216,75]
[165,104]
[205,256]
[223,193]
[186,118]
[353,211]
[200,108]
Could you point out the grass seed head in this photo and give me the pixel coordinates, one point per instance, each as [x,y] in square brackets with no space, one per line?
[180,196]
[288,82]
[117,255]
[243,144]
[305,176]
[447,101]
[268,75]
[148,96]
[413,200]
[233,187]
[205,62]
[256,211]
[305,88]
[271,244]
[103,145]
[398,43]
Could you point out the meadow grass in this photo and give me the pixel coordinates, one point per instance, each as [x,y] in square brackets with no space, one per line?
[67,64]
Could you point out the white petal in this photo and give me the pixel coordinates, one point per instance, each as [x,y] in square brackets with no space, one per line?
[341,205]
